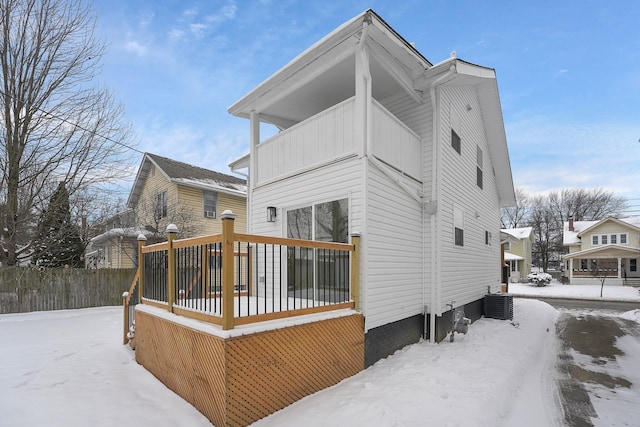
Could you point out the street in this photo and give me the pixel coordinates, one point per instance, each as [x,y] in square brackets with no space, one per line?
[597,357]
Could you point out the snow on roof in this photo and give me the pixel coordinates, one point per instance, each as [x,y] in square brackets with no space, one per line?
[508,256]
[128,232]
[519,233]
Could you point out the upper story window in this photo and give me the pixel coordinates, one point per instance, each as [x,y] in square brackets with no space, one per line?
[487,237]
[456,142]
[479,167]
[605,239]
[161,205]
[210,202]
[458,226]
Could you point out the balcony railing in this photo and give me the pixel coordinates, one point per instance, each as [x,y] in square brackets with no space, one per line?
[331,135]
[233,279]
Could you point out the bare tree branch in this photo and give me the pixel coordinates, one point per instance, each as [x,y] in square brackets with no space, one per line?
[55,127]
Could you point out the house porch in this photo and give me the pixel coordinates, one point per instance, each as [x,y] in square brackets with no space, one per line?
[615,271]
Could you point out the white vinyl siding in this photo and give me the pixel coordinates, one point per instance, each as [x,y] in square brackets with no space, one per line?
[466,274]
[394,252]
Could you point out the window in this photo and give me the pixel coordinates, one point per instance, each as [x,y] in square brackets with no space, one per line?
[210,202]
[594,240]
[456,143]
[479,167]
[459,236]
[507,246]
[327,222]
[161,205]
[604,239]
[623,239]
[308,269]
[614,239]
[633,264]
[487,237]
[583,264]
[458,226]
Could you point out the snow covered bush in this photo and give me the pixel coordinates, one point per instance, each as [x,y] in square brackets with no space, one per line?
[539,279]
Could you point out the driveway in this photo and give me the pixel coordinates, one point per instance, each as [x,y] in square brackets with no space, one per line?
[598,362]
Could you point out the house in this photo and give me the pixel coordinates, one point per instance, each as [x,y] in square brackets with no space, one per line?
[374,140]
[115,244]
[166,191]
[606,249]
[518,252]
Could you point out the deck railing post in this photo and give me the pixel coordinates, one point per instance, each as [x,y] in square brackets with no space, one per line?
[172,233]
[355,271]
[125,322]
[228,239]
[142,240]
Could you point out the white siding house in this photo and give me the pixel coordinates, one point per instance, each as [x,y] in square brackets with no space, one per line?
[363,116]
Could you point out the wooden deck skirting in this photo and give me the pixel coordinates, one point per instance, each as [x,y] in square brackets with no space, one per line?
[237,380]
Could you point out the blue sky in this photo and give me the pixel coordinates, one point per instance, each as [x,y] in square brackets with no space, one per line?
[568,74]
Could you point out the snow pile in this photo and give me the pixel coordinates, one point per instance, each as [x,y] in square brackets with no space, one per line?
[589,292]
[633,315]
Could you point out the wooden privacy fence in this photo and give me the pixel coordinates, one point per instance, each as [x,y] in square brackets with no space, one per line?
[24,290]
[234,279]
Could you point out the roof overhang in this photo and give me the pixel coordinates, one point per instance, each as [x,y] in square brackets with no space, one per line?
[606,251]
[324,74]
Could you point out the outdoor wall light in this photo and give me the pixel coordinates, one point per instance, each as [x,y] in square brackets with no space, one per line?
[271,214]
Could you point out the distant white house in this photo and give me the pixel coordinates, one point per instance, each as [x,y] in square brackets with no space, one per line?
[608,248]
[376,140]
[517,252]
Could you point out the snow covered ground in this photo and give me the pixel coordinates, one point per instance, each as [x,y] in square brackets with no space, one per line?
[69,368]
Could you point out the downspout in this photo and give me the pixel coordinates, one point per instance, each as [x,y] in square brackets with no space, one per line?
[366,147]
[435,194]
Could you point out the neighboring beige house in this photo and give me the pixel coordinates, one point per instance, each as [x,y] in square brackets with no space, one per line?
[167,191]
[517,252]
[116,244]
[608,248]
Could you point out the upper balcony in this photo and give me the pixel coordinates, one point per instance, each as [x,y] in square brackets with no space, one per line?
[331,135]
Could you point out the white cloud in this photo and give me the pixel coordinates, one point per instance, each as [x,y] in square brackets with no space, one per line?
[135,48]
[548,154]
[226,13]
[198,29]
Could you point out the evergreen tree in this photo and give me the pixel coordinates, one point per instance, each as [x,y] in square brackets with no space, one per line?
[58,241]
